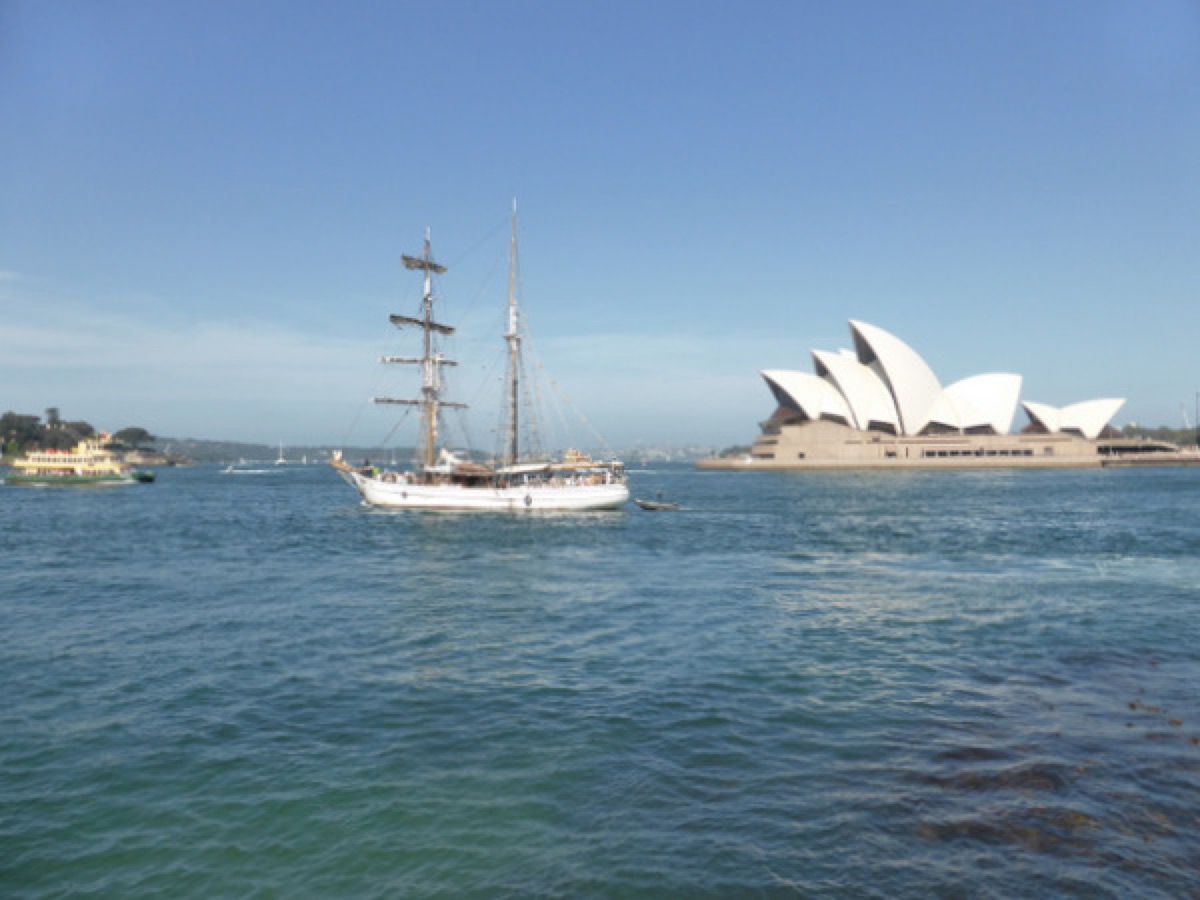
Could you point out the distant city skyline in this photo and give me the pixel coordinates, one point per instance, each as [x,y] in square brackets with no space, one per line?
[204,206]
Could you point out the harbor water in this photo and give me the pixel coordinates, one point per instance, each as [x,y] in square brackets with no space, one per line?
[955,684]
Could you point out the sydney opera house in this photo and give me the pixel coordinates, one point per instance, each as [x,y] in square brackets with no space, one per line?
[881,406]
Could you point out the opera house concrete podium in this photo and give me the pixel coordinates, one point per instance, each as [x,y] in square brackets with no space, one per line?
[881,406]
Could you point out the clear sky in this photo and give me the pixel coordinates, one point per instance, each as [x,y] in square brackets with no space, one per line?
[202,205]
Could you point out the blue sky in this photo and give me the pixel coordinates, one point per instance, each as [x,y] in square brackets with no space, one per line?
[202,205]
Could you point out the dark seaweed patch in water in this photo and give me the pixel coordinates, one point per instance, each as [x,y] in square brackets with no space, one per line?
[973,754]
[1072,792]
[1040,830]
[1031,777]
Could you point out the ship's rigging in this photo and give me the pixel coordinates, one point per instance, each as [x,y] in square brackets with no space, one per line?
[431,361]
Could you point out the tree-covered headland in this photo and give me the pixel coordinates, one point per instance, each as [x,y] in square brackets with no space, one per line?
[20,432]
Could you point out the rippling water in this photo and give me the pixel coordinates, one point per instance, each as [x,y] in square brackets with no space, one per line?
[940,684]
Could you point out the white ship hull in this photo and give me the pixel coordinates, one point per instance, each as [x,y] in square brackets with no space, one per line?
[539,497]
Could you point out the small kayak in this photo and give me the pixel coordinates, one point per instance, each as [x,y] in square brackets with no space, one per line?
[654,505]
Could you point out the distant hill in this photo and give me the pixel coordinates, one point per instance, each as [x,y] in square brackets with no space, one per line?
[206,451]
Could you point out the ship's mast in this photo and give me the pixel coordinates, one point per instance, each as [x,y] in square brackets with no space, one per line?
[513,338]
[430,382]
[430,361]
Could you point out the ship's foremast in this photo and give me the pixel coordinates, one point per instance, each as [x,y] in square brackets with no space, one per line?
[430,362]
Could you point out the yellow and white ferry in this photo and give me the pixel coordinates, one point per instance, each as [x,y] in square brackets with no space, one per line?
[90,462]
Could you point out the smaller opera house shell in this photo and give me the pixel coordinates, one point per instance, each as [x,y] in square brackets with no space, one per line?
[880,405]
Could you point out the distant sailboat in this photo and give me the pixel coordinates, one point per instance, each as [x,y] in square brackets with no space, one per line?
[281,461]
[444,481]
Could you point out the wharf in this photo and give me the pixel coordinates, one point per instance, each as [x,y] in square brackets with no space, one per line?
[1131,460]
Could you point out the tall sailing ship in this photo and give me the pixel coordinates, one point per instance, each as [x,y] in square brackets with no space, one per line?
[442,479]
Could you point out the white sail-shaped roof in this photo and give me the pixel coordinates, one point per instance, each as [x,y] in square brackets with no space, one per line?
[811,394]
[1091,416]
[981,401]
[908,377]
[865,393]
[1042,414]
[1088,417]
